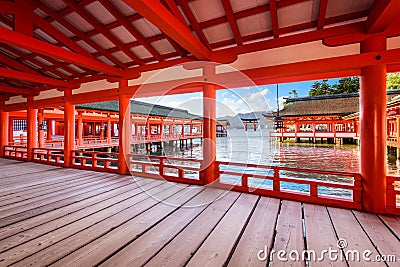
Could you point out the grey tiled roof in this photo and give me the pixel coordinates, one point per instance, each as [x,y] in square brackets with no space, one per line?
[326,105]
[141,108]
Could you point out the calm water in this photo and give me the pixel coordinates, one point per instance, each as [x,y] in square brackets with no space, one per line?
[257,147]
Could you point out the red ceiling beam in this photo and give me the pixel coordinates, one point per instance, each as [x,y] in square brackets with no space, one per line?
[13,74]
[16,64]
[53,16]
[193,22]
[128,26]
[16,39]
[7,7]
[232,21]
[14,90]
[323,4]
[162,18]
[100,28]
[382,14]
[274,18]
[56,34]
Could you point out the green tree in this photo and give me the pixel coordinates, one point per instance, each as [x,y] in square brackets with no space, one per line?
[393,81]
[320,88]
[294,93]
[346,86]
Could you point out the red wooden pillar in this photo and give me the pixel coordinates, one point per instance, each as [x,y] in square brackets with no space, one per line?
[40,129]
[11,130]
[80,129]
[50,124]
[69,130]
[210,129]
[147,129]
[31,128]
[4,130]
[398,129]
[373,130]
[108,134]
[125,128]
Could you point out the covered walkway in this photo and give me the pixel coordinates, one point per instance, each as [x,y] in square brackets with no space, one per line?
[56,216]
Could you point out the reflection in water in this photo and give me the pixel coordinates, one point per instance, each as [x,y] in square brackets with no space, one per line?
[258,148]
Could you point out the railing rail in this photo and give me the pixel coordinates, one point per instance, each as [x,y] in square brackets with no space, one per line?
[50,156]
[393,194]
[274,180]
[93,160]
[16,152]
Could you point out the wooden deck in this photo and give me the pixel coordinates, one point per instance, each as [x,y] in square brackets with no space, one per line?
[60,217]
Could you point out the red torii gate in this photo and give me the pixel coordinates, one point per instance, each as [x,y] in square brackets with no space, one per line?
[20,78]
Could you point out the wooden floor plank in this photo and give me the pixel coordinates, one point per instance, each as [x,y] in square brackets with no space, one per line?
[68,200]
[91,205]
[9,171]
[101,181]
[216,249]
[84,231]
[258,234]
[129,191]
[348,229]
[320,235]
[289,234]
[393,222]
[144,247]
[139,249]
[59,187]
[181,248]
[7,162]
[383,239]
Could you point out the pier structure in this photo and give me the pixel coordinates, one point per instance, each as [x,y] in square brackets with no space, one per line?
[62,53]
[222,128]
[97,126]
[330,117]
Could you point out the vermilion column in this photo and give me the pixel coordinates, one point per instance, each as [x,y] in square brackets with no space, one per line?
[50,123]
[373,130]
[124,133]
[108,129]
[41,131]
[69,130]
[4,131]
[80,129]
[209,129]
[31,129]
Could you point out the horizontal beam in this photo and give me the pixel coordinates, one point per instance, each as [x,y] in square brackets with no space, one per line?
[7,7]
[163,19]
[18,75]
[382,15]
[31,44]
[14,90]
[336,67]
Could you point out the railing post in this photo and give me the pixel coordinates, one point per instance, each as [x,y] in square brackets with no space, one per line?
[161,167]
[276,184]
[373,130]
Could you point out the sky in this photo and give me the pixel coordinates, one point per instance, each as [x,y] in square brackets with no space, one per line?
[233,101]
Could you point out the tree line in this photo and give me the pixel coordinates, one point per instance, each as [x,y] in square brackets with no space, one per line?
[349,85]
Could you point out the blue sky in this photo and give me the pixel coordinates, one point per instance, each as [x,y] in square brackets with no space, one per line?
[234,101]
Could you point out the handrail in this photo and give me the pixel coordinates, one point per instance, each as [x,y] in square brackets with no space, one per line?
[393,194]
[52,156]
[16,152]
[94,160]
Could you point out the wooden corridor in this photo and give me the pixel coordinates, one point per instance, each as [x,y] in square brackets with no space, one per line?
[56,216]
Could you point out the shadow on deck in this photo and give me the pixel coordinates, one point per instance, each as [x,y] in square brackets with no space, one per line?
[57,216]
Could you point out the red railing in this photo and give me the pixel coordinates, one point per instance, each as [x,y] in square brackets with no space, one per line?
[97,161]
[306,185]
[393,195]
[171,169]
[50,156]
[16,152]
